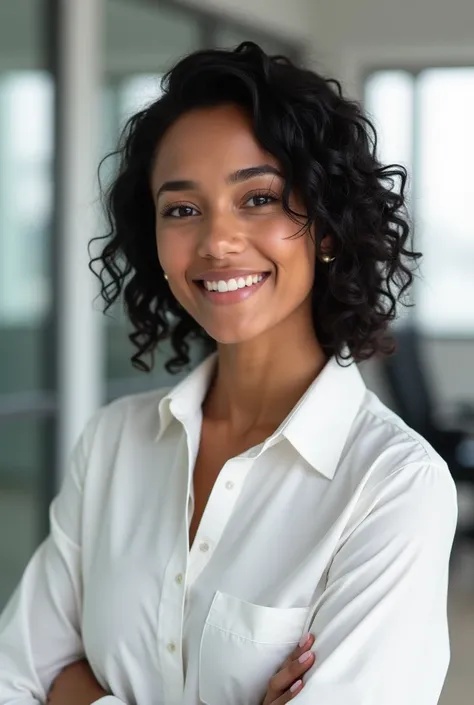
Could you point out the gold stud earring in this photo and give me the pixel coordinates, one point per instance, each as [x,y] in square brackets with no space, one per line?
[166,277]
[327,258]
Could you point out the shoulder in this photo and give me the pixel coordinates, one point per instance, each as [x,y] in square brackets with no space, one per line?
[402,468]
[381,432]
[132,416]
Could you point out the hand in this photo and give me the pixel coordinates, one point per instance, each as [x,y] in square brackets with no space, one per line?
[289,675]
[75,685]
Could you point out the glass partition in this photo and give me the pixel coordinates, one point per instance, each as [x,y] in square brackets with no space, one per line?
[26,203]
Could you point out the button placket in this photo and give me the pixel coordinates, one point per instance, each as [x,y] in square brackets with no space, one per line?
[217,513]
[171,620]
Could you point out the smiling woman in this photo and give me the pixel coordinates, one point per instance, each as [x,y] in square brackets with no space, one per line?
[267,529]
[285,154]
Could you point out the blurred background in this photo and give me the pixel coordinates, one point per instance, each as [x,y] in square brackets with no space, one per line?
[71,71]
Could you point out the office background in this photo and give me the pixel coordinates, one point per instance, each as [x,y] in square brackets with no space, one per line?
[70,74]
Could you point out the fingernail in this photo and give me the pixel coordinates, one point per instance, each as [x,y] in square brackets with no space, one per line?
[295,686]
[304,657]
[304,639]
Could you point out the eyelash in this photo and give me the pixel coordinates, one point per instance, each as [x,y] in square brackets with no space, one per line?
[167,210]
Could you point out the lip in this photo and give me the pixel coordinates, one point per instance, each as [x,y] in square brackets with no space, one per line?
[231,297]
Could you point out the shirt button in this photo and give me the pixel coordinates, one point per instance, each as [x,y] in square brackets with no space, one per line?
[179,578]
[171,646]
[204,547]
[229,485]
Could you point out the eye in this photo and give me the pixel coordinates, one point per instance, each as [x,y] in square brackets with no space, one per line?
[182,210]
[262,199]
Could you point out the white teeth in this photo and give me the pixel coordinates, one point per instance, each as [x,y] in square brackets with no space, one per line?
[233,284]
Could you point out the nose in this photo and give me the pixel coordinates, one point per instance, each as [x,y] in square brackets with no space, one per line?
[220,237]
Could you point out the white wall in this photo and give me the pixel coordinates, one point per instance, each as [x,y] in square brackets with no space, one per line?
[289,18]
[350,36]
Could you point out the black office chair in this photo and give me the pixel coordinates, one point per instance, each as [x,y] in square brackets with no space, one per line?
[407,379]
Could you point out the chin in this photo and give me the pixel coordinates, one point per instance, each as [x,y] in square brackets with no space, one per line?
[231,335]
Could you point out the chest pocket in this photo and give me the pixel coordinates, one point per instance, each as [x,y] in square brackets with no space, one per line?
[242,646]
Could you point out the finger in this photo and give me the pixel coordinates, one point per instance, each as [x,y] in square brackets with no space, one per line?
[292,692]
[282,681]
[299,650]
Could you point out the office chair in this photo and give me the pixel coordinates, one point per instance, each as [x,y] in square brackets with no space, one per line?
[406,376]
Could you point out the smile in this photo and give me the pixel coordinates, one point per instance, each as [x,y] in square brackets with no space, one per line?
[232,290]
[224,285]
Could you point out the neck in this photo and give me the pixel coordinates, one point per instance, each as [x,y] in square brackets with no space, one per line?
[258,382]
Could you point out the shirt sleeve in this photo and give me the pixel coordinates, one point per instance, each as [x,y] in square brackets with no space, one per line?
[380,626]
[40,630]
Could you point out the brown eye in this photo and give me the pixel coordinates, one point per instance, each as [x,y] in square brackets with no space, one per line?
[183,211]
[262,199]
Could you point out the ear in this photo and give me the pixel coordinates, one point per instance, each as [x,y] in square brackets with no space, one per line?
[327,245]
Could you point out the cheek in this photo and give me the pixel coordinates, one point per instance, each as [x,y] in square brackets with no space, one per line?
[294,256]
[175,255]
[310,250]
[172,253]
[304,258]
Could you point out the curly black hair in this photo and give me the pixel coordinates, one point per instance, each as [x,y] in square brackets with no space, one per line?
[327,150]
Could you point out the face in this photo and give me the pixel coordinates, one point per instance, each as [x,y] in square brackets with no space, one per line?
[223,238]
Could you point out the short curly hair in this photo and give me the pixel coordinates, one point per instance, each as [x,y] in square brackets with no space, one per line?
[327,150]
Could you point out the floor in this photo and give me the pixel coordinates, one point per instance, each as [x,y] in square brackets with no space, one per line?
[459,685]
[18,517]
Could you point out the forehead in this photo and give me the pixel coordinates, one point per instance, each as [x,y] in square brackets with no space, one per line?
[217,139]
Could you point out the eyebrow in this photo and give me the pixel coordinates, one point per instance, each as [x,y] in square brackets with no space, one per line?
[235,178]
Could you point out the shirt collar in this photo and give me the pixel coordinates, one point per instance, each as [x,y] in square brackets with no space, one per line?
[186,398]
[320,422]
[317,427]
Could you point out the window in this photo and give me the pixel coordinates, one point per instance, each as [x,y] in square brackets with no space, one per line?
[424,121]
[26,194]
[26,285]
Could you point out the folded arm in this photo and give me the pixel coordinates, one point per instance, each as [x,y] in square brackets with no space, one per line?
[381,625]
[40,629]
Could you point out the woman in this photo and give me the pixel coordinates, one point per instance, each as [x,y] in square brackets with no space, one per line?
[250,214]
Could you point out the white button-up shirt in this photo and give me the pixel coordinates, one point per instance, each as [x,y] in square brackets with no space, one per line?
[340,523]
